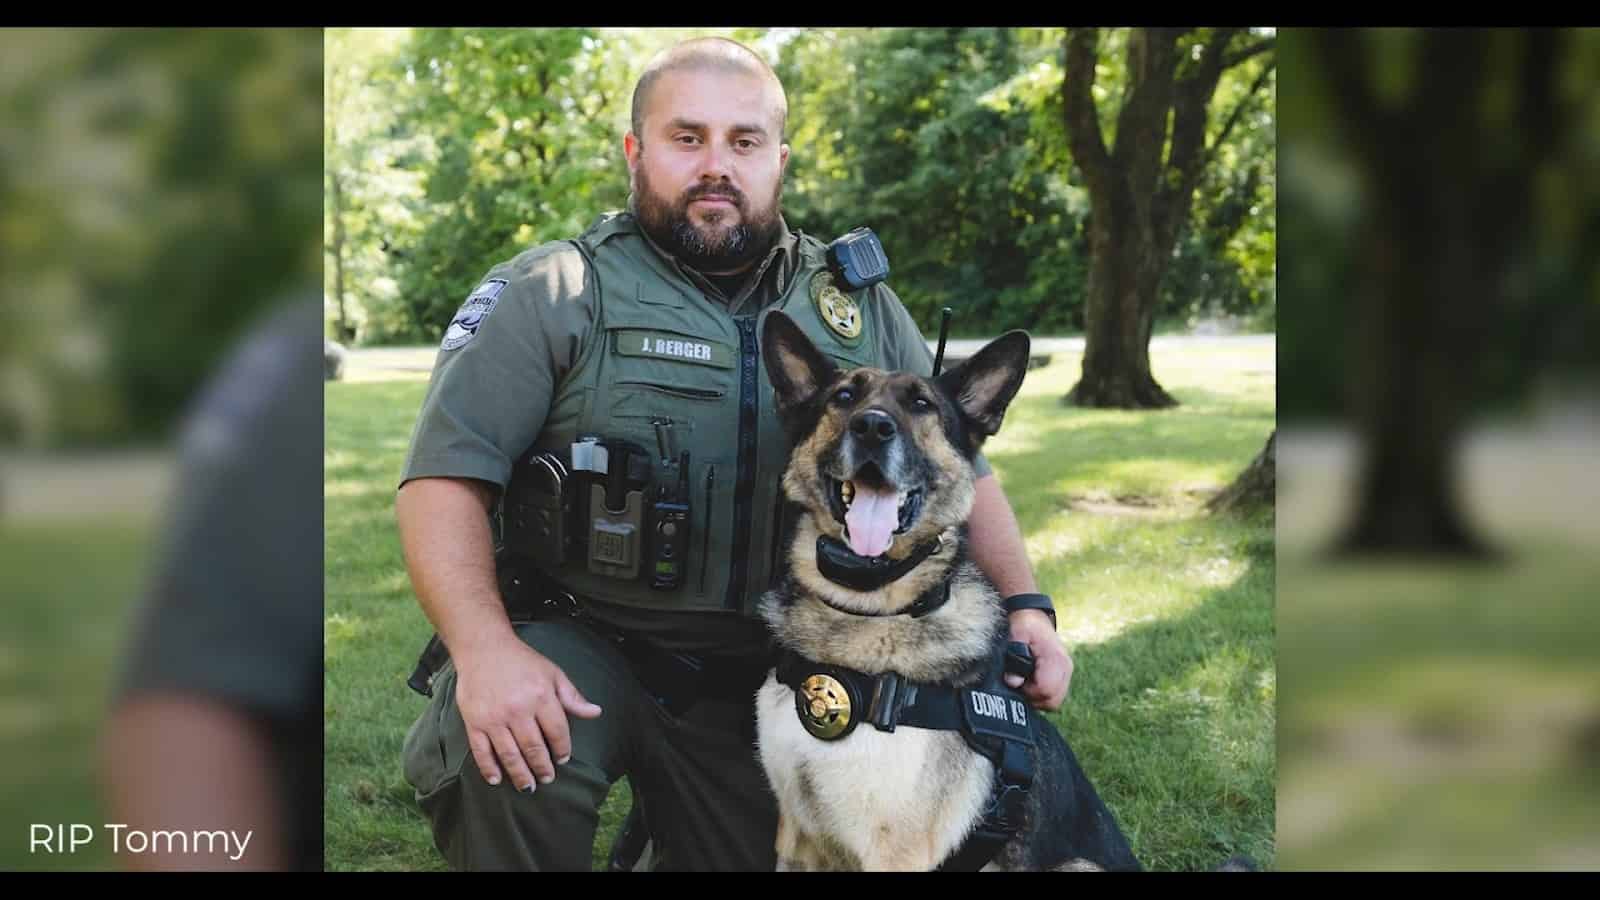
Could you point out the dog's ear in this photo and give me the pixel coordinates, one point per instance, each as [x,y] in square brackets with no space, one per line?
[797,368]
[984,385]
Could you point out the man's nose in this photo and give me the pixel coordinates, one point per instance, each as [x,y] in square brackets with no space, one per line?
[873,427]
[716,163]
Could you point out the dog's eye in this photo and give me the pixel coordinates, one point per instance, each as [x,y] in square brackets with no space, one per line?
[844,395]
[922,403]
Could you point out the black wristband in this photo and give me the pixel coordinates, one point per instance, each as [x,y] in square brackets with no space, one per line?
[1040,602]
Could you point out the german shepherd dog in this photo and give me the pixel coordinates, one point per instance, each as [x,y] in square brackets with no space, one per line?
[881,471]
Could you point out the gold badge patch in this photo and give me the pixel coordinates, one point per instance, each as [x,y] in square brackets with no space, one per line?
[824,706]
[839,312]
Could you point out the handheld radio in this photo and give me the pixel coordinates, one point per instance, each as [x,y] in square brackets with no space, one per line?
[669,516]
[858,259]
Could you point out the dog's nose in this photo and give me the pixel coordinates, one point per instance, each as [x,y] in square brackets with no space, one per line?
[873,426]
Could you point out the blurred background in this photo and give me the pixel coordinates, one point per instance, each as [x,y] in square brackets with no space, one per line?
[1440,419]
[160,193]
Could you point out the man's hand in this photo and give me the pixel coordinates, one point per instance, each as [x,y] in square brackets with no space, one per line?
[513,700]
[1052,671]
[514,703]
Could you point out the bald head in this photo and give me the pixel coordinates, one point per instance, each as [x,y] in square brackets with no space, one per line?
[708,54]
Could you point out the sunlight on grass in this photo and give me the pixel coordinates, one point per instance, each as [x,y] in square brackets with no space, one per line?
[340,629]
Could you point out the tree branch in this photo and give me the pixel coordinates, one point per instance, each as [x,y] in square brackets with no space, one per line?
[1233,117]
[1192,101]
[1261,46]
[1142,124]
[1081,117]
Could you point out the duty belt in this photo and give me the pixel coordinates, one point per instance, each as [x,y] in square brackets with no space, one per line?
[994,720]
[678,680]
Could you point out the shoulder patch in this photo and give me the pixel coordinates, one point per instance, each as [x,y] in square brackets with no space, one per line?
[837,309]
[469,318]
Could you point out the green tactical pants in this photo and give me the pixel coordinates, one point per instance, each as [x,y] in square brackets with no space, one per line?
[707,803]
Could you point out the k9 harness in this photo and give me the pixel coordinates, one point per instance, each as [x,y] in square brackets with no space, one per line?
[831,701]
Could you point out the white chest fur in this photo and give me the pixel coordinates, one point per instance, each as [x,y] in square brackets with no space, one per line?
[892,800]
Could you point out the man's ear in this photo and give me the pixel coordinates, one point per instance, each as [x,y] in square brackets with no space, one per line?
[630,152]
[984,385]
[797,368]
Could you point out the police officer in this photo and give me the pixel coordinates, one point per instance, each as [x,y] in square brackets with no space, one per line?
[628,358]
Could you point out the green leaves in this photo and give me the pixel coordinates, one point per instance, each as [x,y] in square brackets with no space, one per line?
[465,146]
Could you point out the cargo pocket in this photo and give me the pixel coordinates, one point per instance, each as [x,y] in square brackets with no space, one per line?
[435,746]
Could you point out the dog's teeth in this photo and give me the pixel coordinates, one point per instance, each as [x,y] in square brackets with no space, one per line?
[847,490]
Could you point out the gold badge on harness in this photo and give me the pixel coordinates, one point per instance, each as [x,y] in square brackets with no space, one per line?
[839,312]
[824,706]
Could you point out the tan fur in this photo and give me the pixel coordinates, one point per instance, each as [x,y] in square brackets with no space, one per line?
[908,798]
[872,803]
[922,649]
[865,803]
[948,503]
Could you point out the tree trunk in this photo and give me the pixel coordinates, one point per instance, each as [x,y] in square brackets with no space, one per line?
[1256,487]
[1410,373]
[336,194]
[1448,216]
[1120,317]
[1139,200]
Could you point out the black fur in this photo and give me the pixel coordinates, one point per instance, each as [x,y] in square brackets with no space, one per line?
[799,403]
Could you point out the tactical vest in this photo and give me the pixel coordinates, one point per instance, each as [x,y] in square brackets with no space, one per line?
[660,351]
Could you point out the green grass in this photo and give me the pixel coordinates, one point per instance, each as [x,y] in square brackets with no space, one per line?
[1441,716]
[1168,613]
[69,592]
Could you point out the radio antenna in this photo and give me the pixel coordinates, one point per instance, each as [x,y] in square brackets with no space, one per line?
[944,331]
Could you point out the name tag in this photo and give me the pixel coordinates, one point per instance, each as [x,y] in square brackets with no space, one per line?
[996,715]
[674,347]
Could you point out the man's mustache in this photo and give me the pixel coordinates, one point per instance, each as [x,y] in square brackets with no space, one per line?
[703,191]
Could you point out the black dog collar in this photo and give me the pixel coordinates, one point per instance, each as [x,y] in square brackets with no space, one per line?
[846,568]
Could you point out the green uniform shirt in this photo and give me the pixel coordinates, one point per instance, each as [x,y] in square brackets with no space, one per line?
[522,331]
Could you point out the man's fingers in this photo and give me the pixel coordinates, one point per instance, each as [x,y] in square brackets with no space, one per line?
[536,740]
[573,701]
[483,755]
[1052,677]
[506,746]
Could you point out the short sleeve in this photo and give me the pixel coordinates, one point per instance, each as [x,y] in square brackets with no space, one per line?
[233,609]
[514,337]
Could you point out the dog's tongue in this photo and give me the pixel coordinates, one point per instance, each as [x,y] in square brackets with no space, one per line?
[872,518]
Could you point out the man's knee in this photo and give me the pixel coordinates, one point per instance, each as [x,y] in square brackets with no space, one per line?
[479,825]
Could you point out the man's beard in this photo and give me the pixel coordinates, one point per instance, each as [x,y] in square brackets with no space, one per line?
[732,248]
